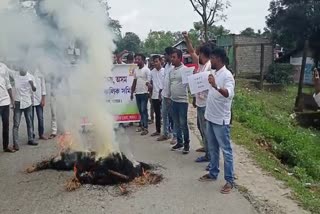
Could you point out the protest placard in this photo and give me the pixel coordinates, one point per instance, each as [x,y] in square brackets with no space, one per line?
[188,71]
[198,82]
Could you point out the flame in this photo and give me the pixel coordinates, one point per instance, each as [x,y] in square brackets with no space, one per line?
[65,141]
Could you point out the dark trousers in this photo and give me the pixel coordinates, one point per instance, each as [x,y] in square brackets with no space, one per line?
[5,115]
[39,112]
[142,103]
[157,110]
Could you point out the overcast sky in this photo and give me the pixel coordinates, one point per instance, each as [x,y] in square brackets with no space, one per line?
[140,16]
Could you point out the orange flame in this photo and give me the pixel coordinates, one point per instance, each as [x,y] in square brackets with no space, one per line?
[65,141]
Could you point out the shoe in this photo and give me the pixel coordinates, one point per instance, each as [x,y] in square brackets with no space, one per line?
[32,143]
[16,148]
[176,147]
[163,138]
[7,150]
[139,129]
[144,132]
[201,150]
[52,136]
[43,138]
[186,150]
[202,159]
[155,134]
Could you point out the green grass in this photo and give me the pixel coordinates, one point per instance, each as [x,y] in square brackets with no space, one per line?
[290,148]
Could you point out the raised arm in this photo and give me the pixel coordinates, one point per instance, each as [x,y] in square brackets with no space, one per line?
[191,50]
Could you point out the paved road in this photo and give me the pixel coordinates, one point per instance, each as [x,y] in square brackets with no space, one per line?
[180,192]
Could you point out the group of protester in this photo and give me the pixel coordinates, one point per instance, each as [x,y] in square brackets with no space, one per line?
[170,100]
[28,97]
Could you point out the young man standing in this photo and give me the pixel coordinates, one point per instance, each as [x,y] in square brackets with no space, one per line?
[166,102]
[39,100]
[24,87]
[157,78]
[140,87]
[5,99]
[218,116]
[179,97]
[200,99]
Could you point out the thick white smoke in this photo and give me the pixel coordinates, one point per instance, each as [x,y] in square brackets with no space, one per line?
[40,38]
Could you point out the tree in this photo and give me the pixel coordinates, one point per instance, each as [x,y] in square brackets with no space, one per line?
[115,27]
[214,31]
[210,11]
[249,32]
[157,41]
[130,42]
[293,21]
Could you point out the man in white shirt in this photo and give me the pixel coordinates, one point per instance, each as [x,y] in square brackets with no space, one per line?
[178,92]
[218,116]
[200,99]
[6,99]
[157,78]
[166,101]
[24,87]
[316,80]
[39,100]
[141,89]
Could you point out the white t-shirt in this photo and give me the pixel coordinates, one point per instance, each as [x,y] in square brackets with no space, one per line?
[317,98]
[23,89]
[39,81]
[157,77]
[201,98]
[4,85]
[218,109]
[167,69]
[142,76]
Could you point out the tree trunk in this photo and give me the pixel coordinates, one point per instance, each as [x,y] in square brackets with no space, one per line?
[205,26]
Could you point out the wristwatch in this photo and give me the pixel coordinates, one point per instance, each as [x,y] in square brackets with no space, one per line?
[217,87]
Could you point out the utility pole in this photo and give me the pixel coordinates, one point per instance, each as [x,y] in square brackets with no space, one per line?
[303,67]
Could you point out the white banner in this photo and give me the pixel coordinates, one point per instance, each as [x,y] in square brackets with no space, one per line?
[186,73]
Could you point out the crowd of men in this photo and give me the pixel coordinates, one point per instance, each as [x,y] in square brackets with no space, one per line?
[25,93]
[161,82]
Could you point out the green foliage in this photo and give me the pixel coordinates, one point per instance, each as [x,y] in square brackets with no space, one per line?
[157,41]
[130,42]
[294,146]
[280,74]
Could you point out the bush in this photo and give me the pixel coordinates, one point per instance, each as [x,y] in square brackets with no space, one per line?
[280,74]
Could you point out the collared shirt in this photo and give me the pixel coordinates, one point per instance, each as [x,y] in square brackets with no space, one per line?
[167,69]
[177,90]
[4,85]
[218,109]
[142,76]
[201,98]
[39,81]
[23,90]
[157,77]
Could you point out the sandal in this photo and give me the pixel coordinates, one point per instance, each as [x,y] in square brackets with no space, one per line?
[202,159]
[52,136]
[207,177]
[227,188]
[200,150]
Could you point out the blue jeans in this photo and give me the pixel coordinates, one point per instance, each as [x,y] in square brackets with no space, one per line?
[167,117]
[39,112]
[142,103]
[16,123]
[180,120]
[201,121]
[219,137]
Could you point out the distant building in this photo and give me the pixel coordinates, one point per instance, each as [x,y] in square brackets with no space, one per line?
[244,53]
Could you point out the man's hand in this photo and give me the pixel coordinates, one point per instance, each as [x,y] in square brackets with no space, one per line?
[212,81]
[185,35]
[131,97]
[13,104]
[43,102]
[194,102]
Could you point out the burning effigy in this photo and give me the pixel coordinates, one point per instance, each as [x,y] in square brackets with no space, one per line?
[90,169]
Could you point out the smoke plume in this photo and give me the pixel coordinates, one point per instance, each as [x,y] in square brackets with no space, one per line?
[71,44]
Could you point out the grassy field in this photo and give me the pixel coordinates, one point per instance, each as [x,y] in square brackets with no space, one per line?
[263,123]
